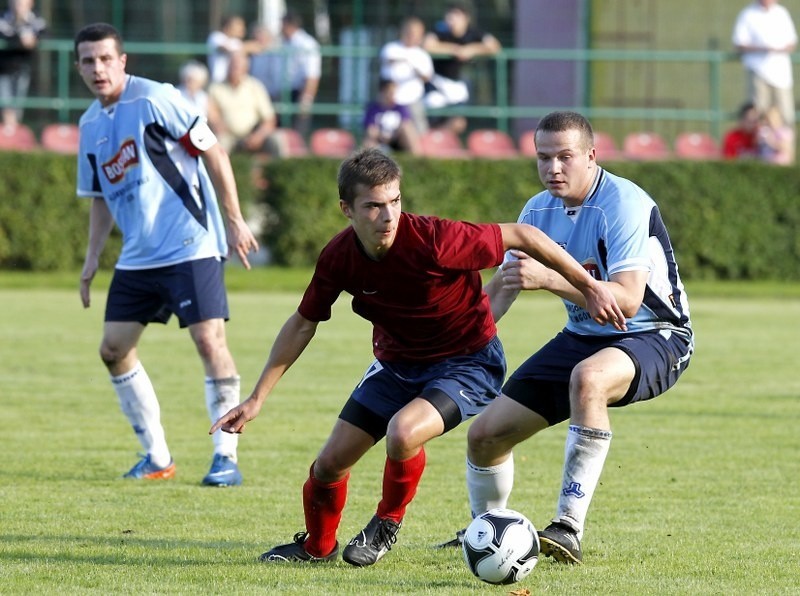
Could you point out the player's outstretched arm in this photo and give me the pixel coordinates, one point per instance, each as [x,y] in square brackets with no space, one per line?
[101,223]
[292,339]
[240,237]
[600,301]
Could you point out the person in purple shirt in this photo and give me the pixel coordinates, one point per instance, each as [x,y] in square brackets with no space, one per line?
[388,125]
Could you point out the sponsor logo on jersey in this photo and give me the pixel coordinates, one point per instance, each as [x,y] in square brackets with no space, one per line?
[127,157]
[593,270]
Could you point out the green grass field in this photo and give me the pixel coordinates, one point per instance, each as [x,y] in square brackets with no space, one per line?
[699,494]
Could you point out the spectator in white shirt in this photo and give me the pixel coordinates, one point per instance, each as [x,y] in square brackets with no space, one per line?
[765,36]
[304,65]
[406,63]
[229,38]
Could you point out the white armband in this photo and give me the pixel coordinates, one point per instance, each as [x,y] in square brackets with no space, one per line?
[201,136]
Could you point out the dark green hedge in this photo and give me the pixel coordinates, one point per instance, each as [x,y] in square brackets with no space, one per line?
[727,220]
[44,225]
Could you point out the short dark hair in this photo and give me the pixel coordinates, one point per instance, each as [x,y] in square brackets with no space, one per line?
[292,17]
[746,107]
[459,5]
[98,32]
[561,121]
[368,168]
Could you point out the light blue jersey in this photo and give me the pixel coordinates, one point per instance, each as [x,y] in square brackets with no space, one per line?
[160,196]
[617,228]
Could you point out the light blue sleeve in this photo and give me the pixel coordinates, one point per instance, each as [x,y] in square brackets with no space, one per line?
[628,231]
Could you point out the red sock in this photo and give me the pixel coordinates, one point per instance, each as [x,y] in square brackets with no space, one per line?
[323,504]
[400,481]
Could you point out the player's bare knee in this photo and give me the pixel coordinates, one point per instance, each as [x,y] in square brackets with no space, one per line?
[478,437]
[587,379]
[111,355]
[401,441]
[483,443]
[328,468]
[210,347]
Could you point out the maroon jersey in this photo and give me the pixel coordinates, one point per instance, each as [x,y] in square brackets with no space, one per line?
[424,298]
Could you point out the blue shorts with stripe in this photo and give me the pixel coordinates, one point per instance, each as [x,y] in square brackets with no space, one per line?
[193,290]
[541,383]
[458,387]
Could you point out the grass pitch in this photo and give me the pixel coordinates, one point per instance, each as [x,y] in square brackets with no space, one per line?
[699,494]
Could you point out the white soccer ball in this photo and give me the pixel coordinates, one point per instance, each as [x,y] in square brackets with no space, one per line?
[501,546]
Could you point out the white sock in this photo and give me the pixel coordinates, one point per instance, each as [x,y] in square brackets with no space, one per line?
[489,487]
[221,396]
[139,403]
[584,455]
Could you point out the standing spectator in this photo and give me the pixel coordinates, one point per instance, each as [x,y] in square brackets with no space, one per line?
[455,42]
[387,124]
[193,78]
[239,110]
[304,65]
[150,163]
[741,142]
[410,66]
[229,38]
[438,360]
[765,36]
[267,65]
[20,29]
[776,139]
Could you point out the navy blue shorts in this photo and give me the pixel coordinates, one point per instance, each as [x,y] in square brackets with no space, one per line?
[541,383]
[194,291]
[459,388]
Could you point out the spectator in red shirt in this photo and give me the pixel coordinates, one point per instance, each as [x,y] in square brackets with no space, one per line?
[742,142]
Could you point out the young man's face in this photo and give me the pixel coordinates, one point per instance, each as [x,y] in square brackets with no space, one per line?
[374,215]
[566,167]
[102,68]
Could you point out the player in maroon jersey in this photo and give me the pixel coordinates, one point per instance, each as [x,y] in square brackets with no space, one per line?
[437,362]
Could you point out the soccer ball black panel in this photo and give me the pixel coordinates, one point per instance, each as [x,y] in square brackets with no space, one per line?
[501,546]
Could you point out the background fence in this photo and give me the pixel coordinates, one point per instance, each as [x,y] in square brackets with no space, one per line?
[668,67]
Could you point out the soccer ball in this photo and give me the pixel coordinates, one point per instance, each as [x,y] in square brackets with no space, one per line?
[501,546]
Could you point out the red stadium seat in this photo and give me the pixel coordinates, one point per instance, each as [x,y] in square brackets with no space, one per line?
[61,138]
[491,144]
[290,143]
[443,144]
[696,145]
[332,142]
[527,143]
[17,138]
[605,147]
[645,146]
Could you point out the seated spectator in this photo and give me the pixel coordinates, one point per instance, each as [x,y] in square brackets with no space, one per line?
[388,125]
[239,110]
[20,29]
[454,42]
[409,65]
[193,77]
[229,38]
[776,139]
[741,142]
